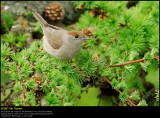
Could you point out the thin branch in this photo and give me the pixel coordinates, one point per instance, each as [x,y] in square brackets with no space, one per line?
[60,95]
[45,76]
[20,79]
[54,88]
[130,62]
[131,103]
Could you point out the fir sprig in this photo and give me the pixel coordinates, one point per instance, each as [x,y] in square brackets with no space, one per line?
[126,40]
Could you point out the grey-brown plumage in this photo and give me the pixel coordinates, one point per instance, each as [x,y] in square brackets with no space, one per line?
[58,42]
[54,39]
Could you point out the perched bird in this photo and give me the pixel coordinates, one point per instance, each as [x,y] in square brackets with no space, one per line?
[58,42]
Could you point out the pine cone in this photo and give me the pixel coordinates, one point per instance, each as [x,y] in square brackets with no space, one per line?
[88,31]
[54,12]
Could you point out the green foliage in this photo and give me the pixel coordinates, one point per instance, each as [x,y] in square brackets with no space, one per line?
[18,102]
[154,52]
[25,64]
[29,14]
[14,40]
[114,83]
[6,52]
[124,35]
[30,98]
[126,40]
[31,84]
[38,27]
[8,21]
[123,96]
[133,55]
[53,99]
[90,67]
[142,103]
[157,94]
[122,85]
[145,65]
[17,87]
[135,96]
[21,39]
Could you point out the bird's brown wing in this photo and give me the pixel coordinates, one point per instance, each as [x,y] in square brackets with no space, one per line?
[52,33]
[54,37]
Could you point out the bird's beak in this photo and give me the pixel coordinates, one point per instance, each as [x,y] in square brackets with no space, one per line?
[86,38]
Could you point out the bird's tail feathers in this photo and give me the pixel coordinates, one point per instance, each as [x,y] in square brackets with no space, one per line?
[40,19]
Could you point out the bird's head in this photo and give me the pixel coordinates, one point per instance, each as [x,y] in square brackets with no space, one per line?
[75,37]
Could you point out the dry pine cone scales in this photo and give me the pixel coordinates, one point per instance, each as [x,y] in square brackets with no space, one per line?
[54,12]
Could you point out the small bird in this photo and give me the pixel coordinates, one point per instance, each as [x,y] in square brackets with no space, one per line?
[58,42]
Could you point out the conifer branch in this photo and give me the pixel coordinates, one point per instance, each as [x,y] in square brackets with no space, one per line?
[140,60]
[20,79]
[131,103]
[44,75]
[54,88]
[60,95]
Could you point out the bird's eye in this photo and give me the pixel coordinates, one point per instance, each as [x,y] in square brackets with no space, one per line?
[76,36]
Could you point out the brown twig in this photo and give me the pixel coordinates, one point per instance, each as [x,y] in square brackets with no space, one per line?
[20,79]
[44,75]
[54,88]
[48,80]
[60,95]
[131,103]
[130,62]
